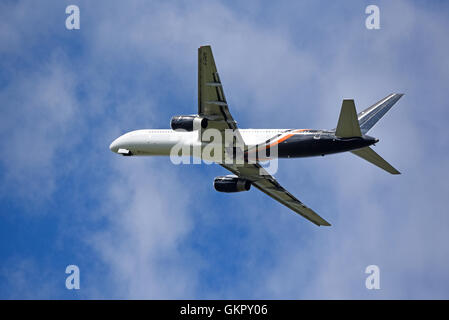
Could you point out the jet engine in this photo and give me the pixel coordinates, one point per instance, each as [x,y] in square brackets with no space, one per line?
[188,123]
[231,183]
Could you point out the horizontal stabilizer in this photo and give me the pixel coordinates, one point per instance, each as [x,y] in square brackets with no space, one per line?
[371,156]
[348,124]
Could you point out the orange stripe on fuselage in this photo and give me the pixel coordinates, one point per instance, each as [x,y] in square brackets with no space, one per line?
[285,138]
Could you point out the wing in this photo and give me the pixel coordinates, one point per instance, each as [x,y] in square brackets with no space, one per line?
[213,106]
[211,99]
[263,181]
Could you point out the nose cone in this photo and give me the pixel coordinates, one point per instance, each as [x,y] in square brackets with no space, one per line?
[114,146]
[129,142]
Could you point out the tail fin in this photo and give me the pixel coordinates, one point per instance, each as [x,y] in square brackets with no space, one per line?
[369,155]
[369,117]
[348,125]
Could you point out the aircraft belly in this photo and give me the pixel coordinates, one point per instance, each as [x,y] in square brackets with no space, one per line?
[309,146]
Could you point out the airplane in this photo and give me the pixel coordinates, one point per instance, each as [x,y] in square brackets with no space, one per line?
[213,115]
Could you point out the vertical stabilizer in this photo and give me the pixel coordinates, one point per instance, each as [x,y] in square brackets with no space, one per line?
[348,124]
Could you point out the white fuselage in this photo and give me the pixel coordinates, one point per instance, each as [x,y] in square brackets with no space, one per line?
[160,142]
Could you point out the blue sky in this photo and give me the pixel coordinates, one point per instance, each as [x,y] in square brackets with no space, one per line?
[144,228]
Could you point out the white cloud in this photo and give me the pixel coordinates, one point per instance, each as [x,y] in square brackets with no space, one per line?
[148,218]
[23,278]
[39,115]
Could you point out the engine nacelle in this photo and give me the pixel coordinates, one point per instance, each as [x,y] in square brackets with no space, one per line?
[188,123]
[231,183]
